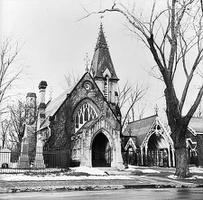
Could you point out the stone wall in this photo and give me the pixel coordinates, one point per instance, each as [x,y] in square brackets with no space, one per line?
[63,122]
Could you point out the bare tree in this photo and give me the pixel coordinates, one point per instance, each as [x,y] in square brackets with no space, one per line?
[141,110]
[8,71]
[71,80]
[128,96]
[173,35]
[17,124]
[4,132]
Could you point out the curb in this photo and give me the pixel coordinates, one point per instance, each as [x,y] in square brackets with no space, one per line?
[94,188]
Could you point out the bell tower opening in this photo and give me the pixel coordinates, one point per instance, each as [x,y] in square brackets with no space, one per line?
[101,151]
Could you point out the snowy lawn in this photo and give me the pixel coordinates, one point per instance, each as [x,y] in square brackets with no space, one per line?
[141,170]
[21,177]
[89,171]
[194,177]
[196,170]
[196,173]
[76,173]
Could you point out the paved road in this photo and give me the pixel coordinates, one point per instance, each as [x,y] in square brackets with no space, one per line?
[139,194]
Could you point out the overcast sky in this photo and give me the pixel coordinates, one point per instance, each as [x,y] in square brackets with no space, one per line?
[54,43]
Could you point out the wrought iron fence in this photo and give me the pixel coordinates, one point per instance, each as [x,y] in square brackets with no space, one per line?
[53,161]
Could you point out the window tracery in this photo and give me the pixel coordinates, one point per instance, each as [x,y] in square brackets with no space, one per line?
[106,87]
[85,113]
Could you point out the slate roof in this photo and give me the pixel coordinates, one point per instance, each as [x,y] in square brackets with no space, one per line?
[101,58]
[196,123]
[139,129]
[53,106]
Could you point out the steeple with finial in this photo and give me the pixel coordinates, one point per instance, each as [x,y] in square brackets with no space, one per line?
[102,68]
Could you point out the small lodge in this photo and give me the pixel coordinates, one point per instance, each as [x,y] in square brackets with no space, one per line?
[147,142]
[194,141]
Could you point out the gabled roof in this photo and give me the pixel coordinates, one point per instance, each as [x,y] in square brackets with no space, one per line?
[101,58]
[140,128]
[196,124]
[54,105]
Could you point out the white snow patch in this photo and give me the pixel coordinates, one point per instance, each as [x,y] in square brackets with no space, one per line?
[172,176]
[195,177]
[21,177]
[130,167]
[137,168]
[190,178]
[89,170]
[196,169]
[149,171]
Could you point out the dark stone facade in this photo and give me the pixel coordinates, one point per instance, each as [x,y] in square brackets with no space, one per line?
[62,123]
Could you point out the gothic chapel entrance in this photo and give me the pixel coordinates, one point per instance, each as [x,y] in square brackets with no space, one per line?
[101,151]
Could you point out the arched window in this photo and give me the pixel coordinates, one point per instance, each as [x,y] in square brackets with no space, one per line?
[81,119]
[77,121]
[106,87]
[85,113]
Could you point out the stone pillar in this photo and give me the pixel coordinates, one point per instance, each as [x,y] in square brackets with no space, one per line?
[39,159]
[169,156]
[42,105]
[173,157]
[29,140]
[141,154]
[23,161]
[86,158]
[146,156]
[119,158]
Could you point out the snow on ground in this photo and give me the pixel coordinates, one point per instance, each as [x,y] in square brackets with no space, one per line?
[21,177]
[93,173]
[89,170]
[172,176]
[149,171]
[137,168]
[195,177]
[190,178]
[196,170]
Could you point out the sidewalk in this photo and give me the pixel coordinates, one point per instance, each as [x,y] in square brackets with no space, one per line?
[150,178]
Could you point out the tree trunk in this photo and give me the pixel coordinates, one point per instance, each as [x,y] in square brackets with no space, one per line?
[178,125]
[181,154]
[182,168]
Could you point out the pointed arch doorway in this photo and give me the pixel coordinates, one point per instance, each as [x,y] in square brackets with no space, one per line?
[101,151]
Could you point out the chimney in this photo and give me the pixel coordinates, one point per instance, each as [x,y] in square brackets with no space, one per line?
[42,105]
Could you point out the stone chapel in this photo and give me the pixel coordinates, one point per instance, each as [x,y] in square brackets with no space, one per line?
[84,121]
[83,126]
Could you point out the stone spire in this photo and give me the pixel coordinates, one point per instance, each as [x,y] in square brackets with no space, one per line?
[101,61]
[28,144]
